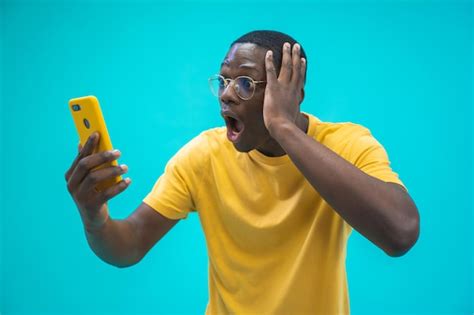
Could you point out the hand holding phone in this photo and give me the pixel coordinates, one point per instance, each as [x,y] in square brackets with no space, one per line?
[94,176]
[83,177]
[88,119]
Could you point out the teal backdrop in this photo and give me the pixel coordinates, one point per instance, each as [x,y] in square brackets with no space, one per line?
[401,68]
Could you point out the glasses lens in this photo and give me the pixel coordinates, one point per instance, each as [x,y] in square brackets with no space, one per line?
[245,87]
[217,85]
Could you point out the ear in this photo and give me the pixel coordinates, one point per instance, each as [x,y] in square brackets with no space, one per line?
[301,95]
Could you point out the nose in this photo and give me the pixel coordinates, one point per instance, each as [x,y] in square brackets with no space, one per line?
[229,96]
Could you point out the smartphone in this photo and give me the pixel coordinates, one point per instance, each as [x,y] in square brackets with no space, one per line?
[88,118]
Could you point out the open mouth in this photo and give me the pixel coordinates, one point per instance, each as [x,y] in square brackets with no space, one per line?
[235,127]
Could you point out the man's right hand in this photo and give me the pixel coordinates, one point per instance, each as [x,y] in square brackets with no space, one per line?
[82,179]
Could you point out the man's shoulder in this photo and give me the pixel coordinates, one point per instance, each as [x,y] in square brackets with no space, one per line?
[212,139]
[206,141]
[348,139]
[213,134]
[330,132]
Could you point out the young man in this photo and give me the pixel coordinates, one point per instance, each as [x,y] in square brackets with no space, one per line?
[277,192]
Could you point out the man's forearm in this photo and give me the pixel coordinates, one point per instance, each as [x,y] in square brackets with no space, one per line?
[382,212]
[115,242]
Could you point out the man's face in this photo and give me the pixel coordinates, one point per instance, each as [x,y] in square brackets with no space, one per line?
[244,118]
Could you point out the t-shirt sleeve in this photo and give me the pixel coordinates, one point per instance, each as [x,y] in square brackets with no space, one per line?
[175,192]
[371,157]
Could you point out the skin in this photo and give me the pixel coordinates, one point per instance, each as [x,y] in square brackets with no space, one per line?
[247,59]
[273,124]
[383,212]
[121,243]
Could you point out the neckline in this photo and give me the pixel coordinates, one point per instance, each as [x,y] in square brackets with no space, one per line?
[280,160]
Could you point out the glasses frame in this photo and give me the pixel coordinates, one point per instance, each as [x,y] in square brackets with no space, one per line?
[228,81]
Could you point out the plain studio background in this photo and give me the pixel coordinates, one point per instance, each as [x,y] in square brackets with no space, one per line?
[401,68]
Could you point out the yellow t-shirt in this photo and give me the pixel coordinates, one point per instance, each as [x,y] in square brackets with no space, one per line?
[275,246]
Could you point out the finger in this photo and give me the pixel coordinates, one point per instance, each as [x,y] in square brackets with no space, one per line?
[83,151]
[79,147]
[113,191]
[270,68]
[91,144]
[302,77]
[296,62]
[85,165]
[95,177]
[286,65]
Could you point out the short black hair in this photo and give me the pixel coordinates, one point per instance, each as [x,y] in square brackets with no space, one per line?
[271,40]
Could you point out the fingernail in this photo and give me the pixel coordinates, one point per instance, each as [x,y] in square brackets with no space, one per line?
[128,180]
[116,152]
[269,53]
[287,45]
[124,167]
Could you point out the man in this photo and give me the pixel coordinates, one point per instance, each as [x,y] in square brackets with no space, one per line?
[277,192]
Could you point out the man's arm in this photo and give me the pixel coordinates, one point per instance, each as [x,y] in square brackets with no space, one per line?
[382,212]
[123,243]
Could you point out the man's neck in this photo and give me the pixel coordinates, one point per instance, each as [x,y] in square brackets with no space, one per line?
[273,149]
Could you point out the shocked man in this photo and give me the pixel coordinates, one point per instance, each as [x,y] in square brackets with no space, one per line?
[277,191]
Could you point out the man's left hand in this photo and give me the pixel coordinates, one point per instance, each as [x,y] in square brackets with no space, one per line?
[283,94]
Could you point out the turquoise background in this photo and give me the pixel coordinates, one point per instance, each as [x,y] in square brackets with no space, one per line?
[401,68]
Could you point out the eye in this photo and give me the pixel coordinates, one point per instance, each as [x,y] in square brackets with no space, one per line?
[221,82]
[246,83]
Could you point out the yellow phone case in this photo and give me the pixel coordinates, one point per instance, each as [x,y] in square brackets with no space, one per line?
[88,118]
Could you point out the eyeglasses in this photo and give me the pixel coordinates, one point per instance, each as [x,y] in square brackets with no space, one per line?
[244,86]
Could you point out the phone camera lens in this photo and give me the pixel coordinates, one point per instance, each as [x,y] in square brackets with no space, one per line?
[76,108]
[86,123]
